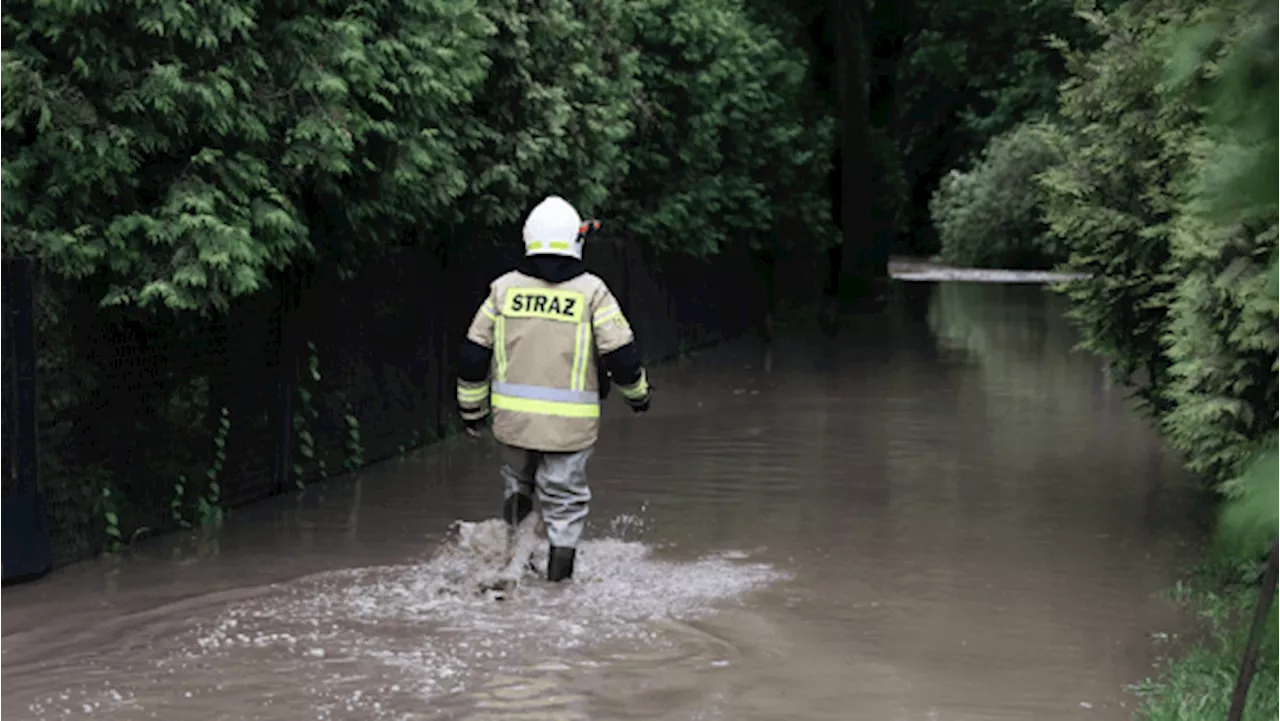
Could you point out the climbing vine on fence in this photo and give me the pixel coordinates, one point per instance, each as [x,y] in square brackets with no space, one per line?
[209,511]
[305,416]
[354,446]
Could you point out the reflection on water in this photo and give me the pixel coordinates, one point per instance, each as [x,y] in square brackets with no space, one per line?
[942,512]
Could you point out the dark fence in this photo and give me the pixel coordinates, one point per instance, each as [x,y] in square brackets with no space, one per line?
[26,547]
[8,382]
[147,424]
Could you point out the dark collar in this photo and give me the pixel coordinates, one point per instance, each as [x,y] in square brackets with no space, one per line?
[552,268]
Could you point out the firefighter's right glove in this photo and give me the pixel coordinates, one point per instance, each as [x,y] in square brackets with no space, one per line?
[641,404]
[474,426]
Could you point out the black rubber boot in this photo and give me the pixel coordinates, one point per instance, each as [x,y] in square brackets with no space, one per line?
[560,564]
[516,508]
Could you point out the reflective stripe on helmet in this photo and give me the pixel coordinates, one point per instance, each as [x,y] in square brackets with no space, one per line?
[559,245]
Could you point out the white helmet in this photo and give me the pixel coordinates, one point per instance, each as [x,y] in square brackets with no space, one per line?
[553,228]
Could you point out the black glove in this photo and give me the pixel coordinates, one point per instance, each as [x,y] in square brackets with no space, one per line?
[474,425]
[641,404]
[603,379]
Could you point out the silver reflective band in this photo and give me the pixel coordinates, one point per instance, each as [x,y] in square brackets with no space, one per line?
[542,393]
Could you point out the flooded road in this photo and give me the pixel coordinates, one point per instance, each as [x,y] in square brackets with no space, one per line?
[940,513]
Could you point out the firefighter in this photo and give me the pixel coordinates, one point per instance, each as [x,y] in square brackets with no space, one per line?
[533,355]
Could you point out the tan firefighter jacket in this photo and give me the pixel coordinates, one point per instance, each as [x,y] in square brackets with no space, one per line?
[543,385]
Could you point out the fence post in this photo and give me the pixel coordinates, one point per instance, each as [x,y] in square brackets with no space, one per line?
[25,337]
[624,250]
[444,327]
[1266,593]
[27,550]
[286,377]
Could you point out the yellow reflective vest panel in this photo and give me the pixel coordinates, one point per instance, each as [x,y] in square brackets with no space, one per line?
[543,386]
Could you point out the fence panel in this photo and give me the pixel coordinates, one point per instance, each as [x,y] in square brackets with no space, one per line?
[27,549]
[316,376]
[8,398]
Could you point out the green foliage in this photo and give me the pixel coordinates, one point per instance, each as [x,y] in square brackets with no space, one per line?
[553,112]
[172,152]
[1178,285]
[1222,337]
[968,72]
[1248,523]
[1224,328]
[722,141]
[990,60]
[1222,345]
[184,158]
[1229,59]
[991,215]
[1112,200]
[1169,200]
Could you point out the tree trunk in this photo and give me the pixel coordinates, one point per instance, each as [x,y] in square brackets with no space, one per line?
[859,261]
[886,32]
[887,37]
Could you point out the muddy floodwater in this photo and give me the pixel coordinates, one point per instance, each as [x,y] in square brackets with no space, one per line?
[941,512]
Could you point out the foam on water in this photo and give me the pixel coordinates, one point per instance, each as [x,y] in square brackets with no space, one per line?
[379,640]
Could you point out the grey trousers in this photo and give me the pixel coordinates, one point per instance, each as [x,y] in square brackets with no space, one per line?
[560,480]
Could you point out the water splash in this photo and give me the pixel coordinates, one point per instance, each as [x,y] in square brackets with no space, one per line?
[377,641]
